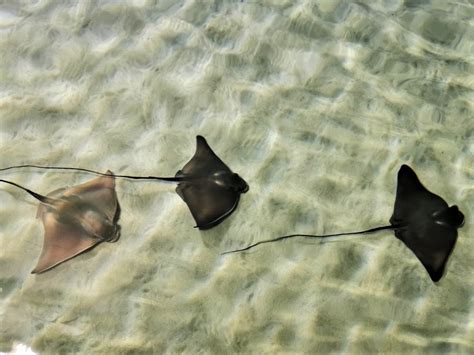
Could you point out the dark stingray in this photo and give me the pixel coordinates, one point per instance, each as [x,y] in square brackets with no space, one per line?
[76,219]
[206,184]
[422,220]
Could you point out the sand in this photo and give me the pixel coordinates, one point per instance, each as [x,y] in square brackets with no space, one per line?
[315,104]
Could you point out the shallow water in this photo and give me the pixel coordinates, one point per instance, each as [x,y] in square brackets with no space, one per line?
[315,104]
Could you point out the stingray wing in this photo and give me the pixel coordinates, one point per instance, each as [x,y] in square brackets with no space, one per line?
[204,162]
[209,203]
[413,200]
[99,192]
[432,244]
[61,243]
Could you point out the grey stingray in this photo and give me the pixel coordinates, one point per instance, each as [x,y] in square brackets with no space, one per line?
[422,220]
[206,184]
[76,219]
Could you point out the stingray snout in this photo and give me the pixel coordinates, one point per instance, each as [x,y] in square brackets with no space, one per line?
[240,184]
[458,216]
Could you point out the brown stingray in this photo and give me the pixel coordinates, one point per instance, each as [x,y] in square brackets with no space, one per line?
[206,184]
[210,189]
[76,219]
[422,220]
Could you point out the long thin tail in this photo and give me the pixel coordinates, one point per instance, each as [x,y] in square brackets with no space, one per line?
[372,230]
[41,198]
[174,179]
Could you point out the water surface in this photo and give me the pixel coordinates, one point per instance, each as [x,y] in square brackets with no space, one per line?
[316,104]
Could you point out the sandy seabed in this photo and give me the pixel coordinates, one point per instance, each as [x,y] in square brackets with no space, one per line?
[315,103]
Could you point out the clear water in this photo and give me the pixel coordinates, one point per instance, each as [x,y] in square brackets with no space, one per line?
[316,104]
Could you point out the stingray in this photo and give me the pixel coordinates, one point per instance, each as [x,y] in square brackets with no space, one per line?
[206,184]
[422,220]
[76,219]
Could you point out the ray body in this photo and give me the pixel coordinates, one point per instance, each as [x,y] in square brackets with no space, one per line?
[206,184]
[422,220]
[76,219]
[209,188]
[428,226]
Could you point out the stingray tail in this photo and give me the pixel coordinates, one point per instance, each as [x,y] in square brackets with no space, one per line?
[173,179]
[367,231]
[44,199]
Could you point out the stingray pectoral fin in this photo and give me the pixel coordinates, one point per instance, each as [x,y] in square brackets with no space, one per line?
[432,246]
[204,162]
[413,201]
[61,243]
[442,241]
[209,203]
